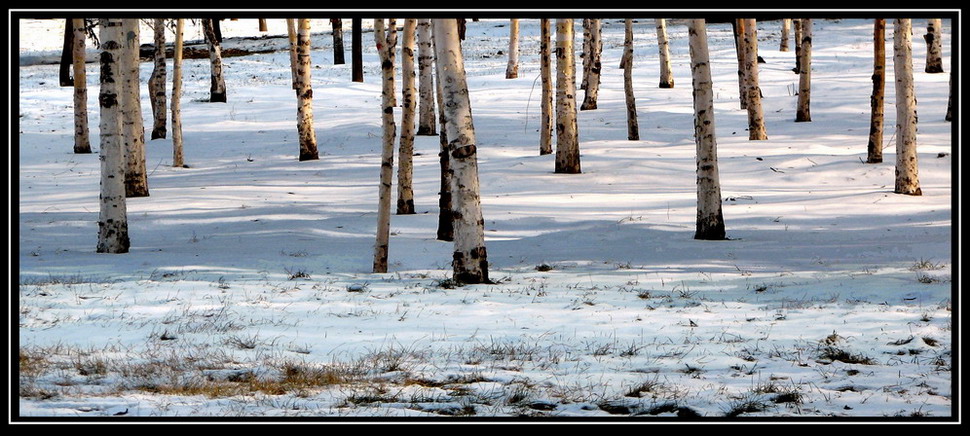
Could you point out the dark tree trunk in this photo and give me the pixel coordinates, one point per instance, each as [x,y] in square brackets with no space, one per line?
[338,41]
[357,61]
[67,57]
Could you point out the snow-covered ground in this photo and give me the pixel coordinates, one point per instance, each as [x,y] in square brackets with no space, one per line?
[248,292]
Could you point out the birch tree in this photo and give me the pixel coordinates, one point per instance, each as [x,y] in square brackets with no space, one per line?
[798,45]
[64,74]
[949,98]
[878,91]
[512,70]
[804,113]
[666,75]
[262,25]
[545,71]
[405,194]
[595,66]
[470,259]
[567,133]
[392,53]
[756,120]
[156,83]
[113,216]
[426,89]
[304,92]
[356,52]
[82,141]
[632,127]
[785,31]
[291,34]
[907,168]
[178,157]
[587,24]
[710,219]
[738,26]
[337,31]
[217,87]
[446,228]
[136,176]
[387,148]
[934,45]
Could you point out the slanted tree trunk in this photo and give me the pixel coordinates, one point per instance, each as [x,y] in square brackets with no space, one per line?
[82,142]
[785,30]
[470,260]
[666,75]
[949,99]
[291,33]
[738,26]
[304,93]
[934,45]
[337,29]
[426,89]
[798,45]
[262,25]
[512,70]
[878,91]
[907,166]
[113,216]
[756,119]
[387,148]
[67,54]
[567,133]
[804,113]
[136,177]
[356,52]
[156,84]
[405,192]
[217,87]
[595,66]
[178,157]
[545,71]
[446,228]
[632,127]
[710,220]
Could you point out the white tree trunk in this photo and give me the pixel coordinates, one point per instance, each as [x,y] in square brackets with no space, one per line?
[82,142]
[446,227]
[756,120]
[567,133]
[291,33]
[304,112]
[666,75]
[804,113]
[587,50]
[785,31]
[512,71]
[907,166]
[632,126]
[470,260]
[710,220]
[387,148]
[426,88]
[405,192]
[545,71]
[874,149]
[798,45]
[178,157]
[113,216]
[136,178]
[595,66]
[934,45]
[217,87]
[156,83]
[392,53]
[742,73]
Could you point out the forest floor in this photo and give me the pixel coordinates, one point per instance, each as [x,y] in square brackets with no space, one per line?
[248,291]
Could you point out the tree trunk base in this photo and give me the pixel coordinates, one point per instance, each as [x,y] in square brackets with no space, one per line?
[426,131]
[217,98]
[309,156]
[158,134]
[588,106]
[666,85]
[405,207]
[934,69]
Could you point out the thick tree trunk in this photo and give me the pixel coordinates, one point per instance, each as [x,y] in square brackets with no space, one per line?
[804,113]
[156,84]
[738,26]
[217,87]
[878,91]
[710,220]
[470,260]
[798,45]
[82,142]
[567,133]
[356,52]
[304,115]
[426,88]
[387,148]
[291,33]
[113,217]
[907,166]
[756,119]
[337,27]
[595,66]
[405,193]
[785,31]
[67,56]
[178,157]
[934,45]
[136,177]
[666,75]
[446,228]
[545,71]
[632,127]
[512,70]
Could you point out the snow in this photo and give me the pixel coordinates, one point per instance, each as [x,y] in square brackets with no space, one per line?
[603,301]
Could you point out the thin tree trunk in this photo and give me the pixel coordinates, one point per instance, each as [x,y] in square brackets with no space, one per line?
[666,75]
[178,158]
[426,90]
[356,52]
[113,217]
[217,88]
[785,31]
[595,66]
[512,70]
[337,27]
[756,120]
[136,178]
[710,220]
[82,142]
[67,54]
[878,91]
[446,228]
[949,99]
[392,53]
[587,24]
[291,33]
[405,192]
[461,28]
[567,133]
[156,84]
[545,71]
[387,148]
[798,45]
[907,167]
[262,25]
[804,113]
[632,127]
[470,259]
[308,137]
[738,26]
[934,45]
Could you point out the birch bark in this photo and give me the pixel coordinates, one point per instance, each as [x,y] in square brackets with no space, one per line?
[632,126]
[178,157]
[136,177]
[387,148]
[874,148]
[710,219]
[426,87]
[82,141]
[156,83]
[756,120]
[405,192]
[907,166]
[666,74]
[113,217]
[545,71]
[804,112]
[567,134]
[304,112]
[512,70]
